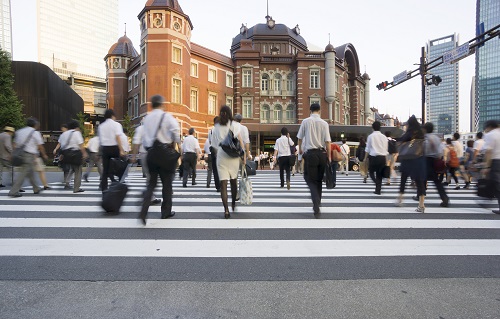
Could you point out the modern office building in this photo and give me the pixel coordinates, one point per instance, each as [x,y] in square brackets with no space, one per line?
[473,106]
[5,26]
[270,77]
[487,65]
[73,36]
[442,100]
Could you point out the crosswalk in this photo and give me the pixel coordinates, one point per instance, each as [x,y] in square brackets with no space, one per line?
[279,226]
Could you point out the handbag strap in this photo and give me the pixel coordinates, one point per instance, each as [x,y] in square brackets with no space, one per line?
[69,140]
[159,125]
[27,139]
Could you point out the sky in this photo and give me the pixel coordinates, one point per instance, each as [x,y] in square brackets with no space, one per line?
[387,35]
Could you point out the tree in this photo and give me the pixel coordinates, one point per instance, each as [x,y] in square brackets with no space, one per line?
[11,109]
[127,125]
[82,118]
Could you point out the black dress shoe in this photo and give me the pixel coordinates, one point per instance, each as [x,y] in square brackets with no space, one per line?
[172,214]
[445,203]
[22,191]
[142,217]
[317,212]
[194,184]
[495,211]
[79,191]
[377,193]
[155,201]
[46,188]
[184,186]
[1,185]
[415,198]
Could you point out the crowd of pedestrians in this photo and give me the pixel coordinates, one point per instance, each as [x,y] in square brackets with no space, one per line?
[439,161]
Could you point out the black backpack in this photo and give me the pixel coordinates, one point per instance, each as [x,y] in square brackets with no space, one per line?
[393,148]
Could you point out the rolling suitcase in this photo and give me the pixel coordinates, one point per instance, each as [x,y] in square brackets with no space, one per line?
[112,199]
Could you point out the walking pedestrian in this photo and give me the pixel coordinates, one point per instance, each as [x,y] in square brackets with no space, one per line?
[213,155]
[162,126]
[334,147]
[72,139]
[434,152]
[492,147]
[227,166]
[392,156]
[110,133]
[376,147]
[94,157]
[478,148]
[283,154]
[6,151]
[208,159]
[245,135]
[345,151]
[361,157]
[191,151]
[413,168]
[31,138]
[66,168]
[452,162]
[314,145]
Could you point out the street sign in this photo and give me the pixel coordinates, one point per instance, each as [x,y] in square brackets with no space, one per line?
[400,77]
[456,54]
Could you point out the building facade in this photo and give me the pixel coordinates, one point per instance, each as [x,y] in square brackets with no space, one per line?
[71,38]
[487,66]
[5,26]
[271,77]
[442,101]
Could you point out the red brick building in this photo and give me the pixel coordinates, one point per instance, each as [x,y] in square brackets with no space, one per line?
[271,77]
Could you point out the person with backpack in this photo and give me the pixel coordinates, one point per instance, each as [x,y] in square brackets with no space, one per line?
[452,162]
[391,158]
[362,159]
[345,151]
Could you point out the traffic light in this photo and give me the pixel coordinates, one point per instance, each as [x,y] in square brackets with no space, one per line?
[383,85]
[436,79]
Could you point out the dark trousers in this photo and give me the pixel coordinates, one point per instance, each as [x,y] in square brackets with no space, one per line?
[209,169]
[108,152]
[375,167]
[166,177]
[495,176]
[334,166]
[189,167]
[315,163]
[284,163]
[433,176]
[214,170]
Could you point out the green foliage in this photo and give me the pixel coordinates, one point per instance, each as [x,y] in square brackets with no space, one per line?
[127,125]
[11,109]
[82,118]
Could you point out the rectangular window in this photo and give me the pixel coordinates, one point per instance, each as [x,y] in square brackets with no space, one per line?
[229,102]
[194,100]
[176,91]
[212,103]
[130,83]
[314,80]
[247,78]
[194,69]
[337,84]
[229,80]
[176,55]
[143,54]
[337,112]
[130,108]
[136,79]
[315,100]
[136,107]
[212,75]
[362,97]
[143,91]
[247,108]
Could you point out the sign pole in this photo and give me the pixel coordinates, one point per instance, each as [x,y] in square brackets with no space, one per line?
[423,71]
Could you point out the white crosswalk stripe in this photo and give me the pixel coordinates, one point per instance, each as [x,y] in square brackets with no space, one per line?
[351,205]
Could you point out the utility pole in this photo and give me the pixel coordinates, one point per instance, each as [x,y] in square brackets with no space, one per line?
[423,73]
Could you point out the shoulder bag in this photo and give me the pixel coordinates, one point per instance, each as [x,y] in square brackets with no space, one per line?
[246,191]
[411,149]
[231,145]
[337,156]
[163,155]
[70,156]
[292,157]
[17,153]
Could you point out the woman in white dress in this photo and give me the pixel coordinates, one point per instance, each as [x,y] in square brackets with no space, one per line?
[227,166]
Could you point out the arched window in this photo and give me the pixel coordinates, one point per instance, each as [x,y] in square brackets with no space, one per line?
[264,114]
[290,114]
[264,83]
[347,118]
[290,84]
[277,114]
[277,83]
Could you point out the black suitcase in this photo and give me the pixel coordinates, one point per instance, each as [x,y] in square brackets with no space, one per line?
[486,188]
[113,197]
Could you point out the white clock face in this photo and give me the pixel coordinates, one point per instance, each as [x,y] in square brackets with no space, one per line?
[116,64]
[157,22]
[177,26]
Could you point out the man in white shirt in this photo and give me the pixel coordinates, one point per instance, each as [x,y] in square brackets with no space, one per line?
[94,158]
[191,151]
[478,146]
[346,152]
[109,133]
[72,139]
[33,144]
[162,126]
[377,148]
[314,143]
[492,155]
[282,153]
[245,135]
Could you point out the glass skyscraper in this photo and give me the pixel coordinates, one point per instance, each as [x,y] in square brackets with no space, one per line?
[442,100]
[73,39]
[5,26]
[487,66]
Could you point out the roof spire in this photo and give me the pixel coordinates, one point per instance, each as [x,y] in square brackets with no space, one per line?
[267,9]
[329,40]
[125,28]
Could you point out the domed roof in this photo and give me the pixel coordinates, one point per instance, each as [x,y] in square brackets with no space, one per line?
[174,4]
[387,116]
[329,48]
[123,47]
[263,30]
[366,76]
